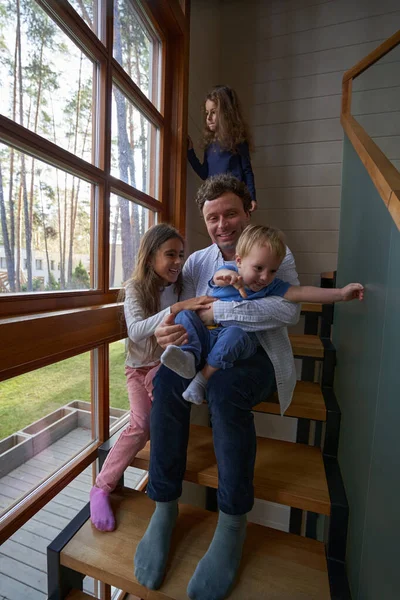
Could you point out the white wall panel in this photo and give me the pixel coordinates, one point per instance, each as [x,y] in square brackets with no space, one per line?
[319,130]
[300,219]
[325,107]
[297,176]
[298,154]
[323,15]
[300,197]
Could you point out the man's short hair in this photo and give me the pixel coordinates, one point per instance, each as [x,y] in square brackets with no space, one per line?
[215,186]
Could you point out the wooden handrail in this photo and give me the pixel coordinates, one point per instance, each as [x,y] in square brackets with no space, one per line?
[372,57]
[383,173]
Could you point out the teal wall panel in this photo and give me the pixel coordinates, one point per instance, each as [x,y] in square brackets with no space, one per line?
[380,553]
[367,378]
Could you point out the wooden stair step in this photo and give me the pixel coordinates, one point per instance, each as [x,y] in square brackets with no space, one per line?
[308,403]
[313,307]
[79,595]
[307,345]
[274,565]
[328,275]
[286,473]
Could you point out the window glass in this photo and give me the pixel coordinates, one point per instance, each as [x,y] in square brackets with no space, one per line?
[128,223]
[46,82]
[89,11]
[47,221]
[134,150]
[45,420]
[137,49]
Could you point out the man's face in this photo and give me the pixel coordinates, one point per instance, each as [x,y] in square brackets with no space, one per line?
[225,220]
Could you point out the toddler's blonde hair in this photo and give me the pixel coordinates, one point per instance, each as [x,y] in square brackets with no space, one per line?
[262,236]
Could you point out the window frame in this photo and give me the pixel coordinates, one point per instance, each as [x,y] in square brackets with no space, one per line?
[59,309]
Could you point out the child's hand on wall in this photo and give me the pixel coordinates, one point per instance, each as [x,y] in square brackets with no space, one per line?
[353,291]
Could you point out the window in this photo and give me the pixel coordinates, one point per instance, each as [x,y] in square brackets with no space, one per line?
[91,138]
[45,416]
[137,49]
[56,76]
[89,11]
[128,223]
[134,146]
[62,228]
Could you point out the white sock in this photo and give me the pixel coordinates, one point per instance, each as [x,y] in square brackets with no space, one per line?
[179,361]
[196,392]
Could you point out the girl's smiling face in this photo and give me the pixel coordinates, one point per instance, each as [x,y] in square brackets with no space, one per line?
[168,260]
[211,115]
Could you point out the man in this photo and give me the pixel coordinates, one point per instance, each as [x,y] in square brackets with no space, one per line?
[225,205]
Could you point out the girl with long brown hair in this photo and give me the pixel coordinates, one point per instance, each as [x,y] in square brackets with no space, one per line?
[226,140]
[150,295]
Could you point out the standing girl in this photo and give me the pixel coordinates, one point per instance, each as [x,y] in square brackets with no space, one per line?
[225,140]
[150,295]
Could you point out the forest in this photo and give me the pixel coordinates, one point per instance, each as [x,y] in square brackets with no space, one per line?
[48,85]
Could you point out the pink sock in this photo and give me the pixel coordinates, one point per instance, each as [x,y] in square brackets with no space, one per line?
[101,513]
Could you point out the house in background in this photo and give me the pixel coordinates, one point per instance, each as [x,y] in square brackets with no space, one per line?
[40,270]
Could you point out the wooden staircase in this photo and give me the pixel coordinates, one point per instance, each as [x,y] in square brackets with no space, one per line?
[276,565]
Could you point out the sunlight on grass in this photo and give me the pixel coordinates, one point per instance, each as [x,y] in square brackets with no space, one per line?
[28,397]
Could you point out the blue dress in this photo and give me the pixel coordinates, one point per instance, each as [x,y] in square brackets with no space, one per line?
[218,161]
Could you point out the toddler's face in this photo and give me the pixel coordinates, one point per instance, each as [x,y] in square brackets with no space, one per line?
[258,269]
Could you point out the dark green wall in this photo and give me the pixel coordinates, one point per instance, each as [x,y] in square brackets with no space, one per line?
[367,384]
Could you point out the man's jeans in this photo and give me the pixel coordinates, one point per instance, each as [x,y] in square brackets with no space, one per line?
[231,393]
[221,346]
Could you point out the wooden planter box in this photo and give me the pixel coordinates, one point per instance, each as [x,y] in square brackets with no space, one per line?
[51,428]
[14,450]
[25,444]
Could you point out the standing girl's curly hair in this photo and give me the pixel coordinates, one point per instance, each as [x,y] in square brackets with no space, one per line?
[232,129]
[145,281]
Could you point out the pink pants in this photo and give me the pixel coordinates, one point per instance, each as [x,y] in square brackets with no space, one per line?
[134,437]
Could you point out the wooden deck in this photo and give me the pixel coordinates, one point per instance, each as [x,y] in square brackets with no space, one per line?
[23,562]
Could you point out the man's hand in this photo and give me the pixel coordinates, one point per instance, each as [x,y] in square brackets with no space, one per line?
[224,278]
[168,333]
[353,291]
[207,316]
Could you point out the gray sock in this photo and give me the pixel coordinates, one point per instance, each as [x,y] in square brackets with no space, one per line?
[196,391]
[152,551]
[216,572]
[179,361]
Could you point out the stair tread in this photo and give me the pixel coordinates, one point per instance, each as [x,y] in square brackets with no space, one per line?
[307,345]
[314,307]
[79,595]
[275,564]
[307,403]
[286,473]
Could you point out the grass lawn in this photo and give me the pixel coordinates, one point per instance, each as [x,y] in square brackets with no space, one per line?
[26,398]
